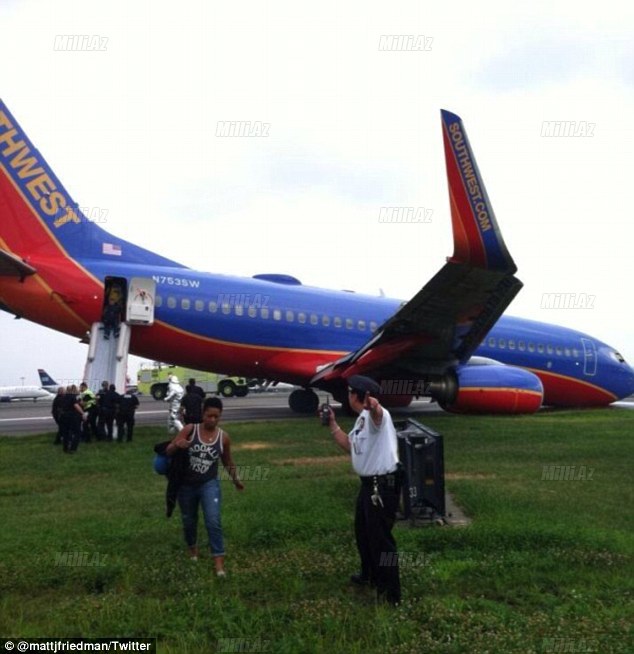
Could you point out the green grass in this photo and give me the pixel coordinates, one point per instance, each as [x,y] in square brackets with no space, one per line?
[541,560]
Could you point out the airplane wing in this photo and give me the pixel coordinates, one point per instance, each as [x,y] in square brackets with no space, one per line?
[12,266]
[449,317]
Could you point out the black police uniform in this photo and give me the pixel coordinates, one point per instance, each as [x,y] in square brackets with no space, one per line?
[107,407]
[192,403]
[127,404]
[374,453]
[70,422]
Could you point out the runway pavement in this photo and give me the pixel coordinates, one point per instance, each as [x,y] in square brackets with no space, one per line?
[28,417]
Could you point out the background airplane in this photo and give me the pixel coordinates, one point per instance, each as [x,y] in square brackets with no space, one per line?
[54,264]
[48,383]
[8,393]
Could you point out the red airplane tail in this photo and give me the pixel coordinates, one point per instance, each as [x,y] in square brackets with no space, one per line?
[38,218]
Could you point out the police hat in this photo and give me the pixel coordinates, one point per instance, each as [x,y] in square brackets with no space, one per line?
[364,384]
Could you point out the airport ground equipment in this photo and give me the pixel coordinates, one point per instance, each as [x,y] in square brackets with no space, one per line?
[421,454]
[153,378]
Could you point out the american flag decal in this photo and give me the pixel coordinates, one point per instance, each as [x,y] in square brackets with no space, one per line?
[109,248]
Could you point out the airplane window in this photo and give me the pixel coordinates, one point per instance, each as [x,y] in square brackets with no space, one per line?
[492,341]
[575,352]
[521,346]
[619,357]
[502,343]
[226,309]
[264,313]
[199,305]
[290,316]
[301,317]
[558,350]
[213,307]
[185,304]
[361,325]
[171,302]
[239,309]
[158,301]
[338,322]
[549,349]
[511,344]
[373,326]
[277,314]
[325,321]
[252,311]
[349,323]
[314,320]
[531,347]
[567,351]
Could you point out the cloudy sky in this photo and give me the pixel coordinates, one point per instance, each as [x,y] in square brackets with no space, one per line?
[353,126]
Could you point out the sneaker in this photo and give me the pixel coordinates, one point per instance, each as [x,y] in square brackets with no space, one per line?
[221,574]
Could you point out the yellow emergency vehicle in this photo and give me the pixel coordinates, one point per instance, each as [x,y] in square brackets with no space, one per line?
[152,379]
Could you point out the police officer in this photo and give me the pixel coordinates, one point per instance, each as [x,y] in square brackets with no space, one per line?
[192,387]
[373,447]
[70,420]
[101,416]
[108,400]
[192,404]
[56,412]
[127,405]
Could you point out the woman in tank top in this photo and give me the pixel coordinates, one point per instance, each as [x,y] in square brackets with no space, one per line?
[207,446]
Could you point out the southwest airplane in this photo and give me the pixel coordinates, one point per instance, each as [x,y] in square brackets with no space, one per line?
[450,341]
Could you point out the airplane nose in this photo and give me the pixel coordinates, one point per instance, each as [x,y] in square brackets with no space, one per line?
[631,381]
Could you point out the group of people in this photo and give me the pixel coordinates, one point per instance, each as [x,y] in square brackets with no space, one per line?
[201,444]
[82,415]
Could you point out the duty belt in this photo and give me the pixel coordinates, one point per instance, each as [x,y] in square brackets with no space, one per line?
[371,480]
[376,481]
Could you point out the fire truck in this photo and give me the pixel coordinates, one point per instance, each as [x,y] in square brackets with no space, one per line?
[153,378]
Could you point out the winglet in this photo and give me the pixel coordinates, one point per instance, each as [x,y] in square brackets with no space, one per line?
[477,237]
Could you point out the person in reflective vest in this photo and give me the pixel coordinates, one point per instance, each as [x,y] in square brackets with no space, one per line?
[89,404]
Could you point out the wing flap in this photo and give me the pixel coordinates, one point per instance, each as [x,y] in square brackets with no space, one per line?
[441,325]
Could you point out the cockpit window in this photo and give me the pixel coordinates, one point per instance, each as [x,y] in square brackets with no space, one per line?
[618,356]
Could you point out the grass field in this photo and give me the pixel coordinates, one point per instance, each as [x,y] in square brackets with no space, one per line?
[546,565]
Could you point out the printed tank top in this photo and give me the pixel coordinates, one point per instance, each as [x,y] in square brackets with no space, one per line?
[203,458]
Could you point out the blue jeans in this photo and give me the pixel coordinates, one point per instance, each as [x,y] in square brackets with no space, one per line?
[208,495]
